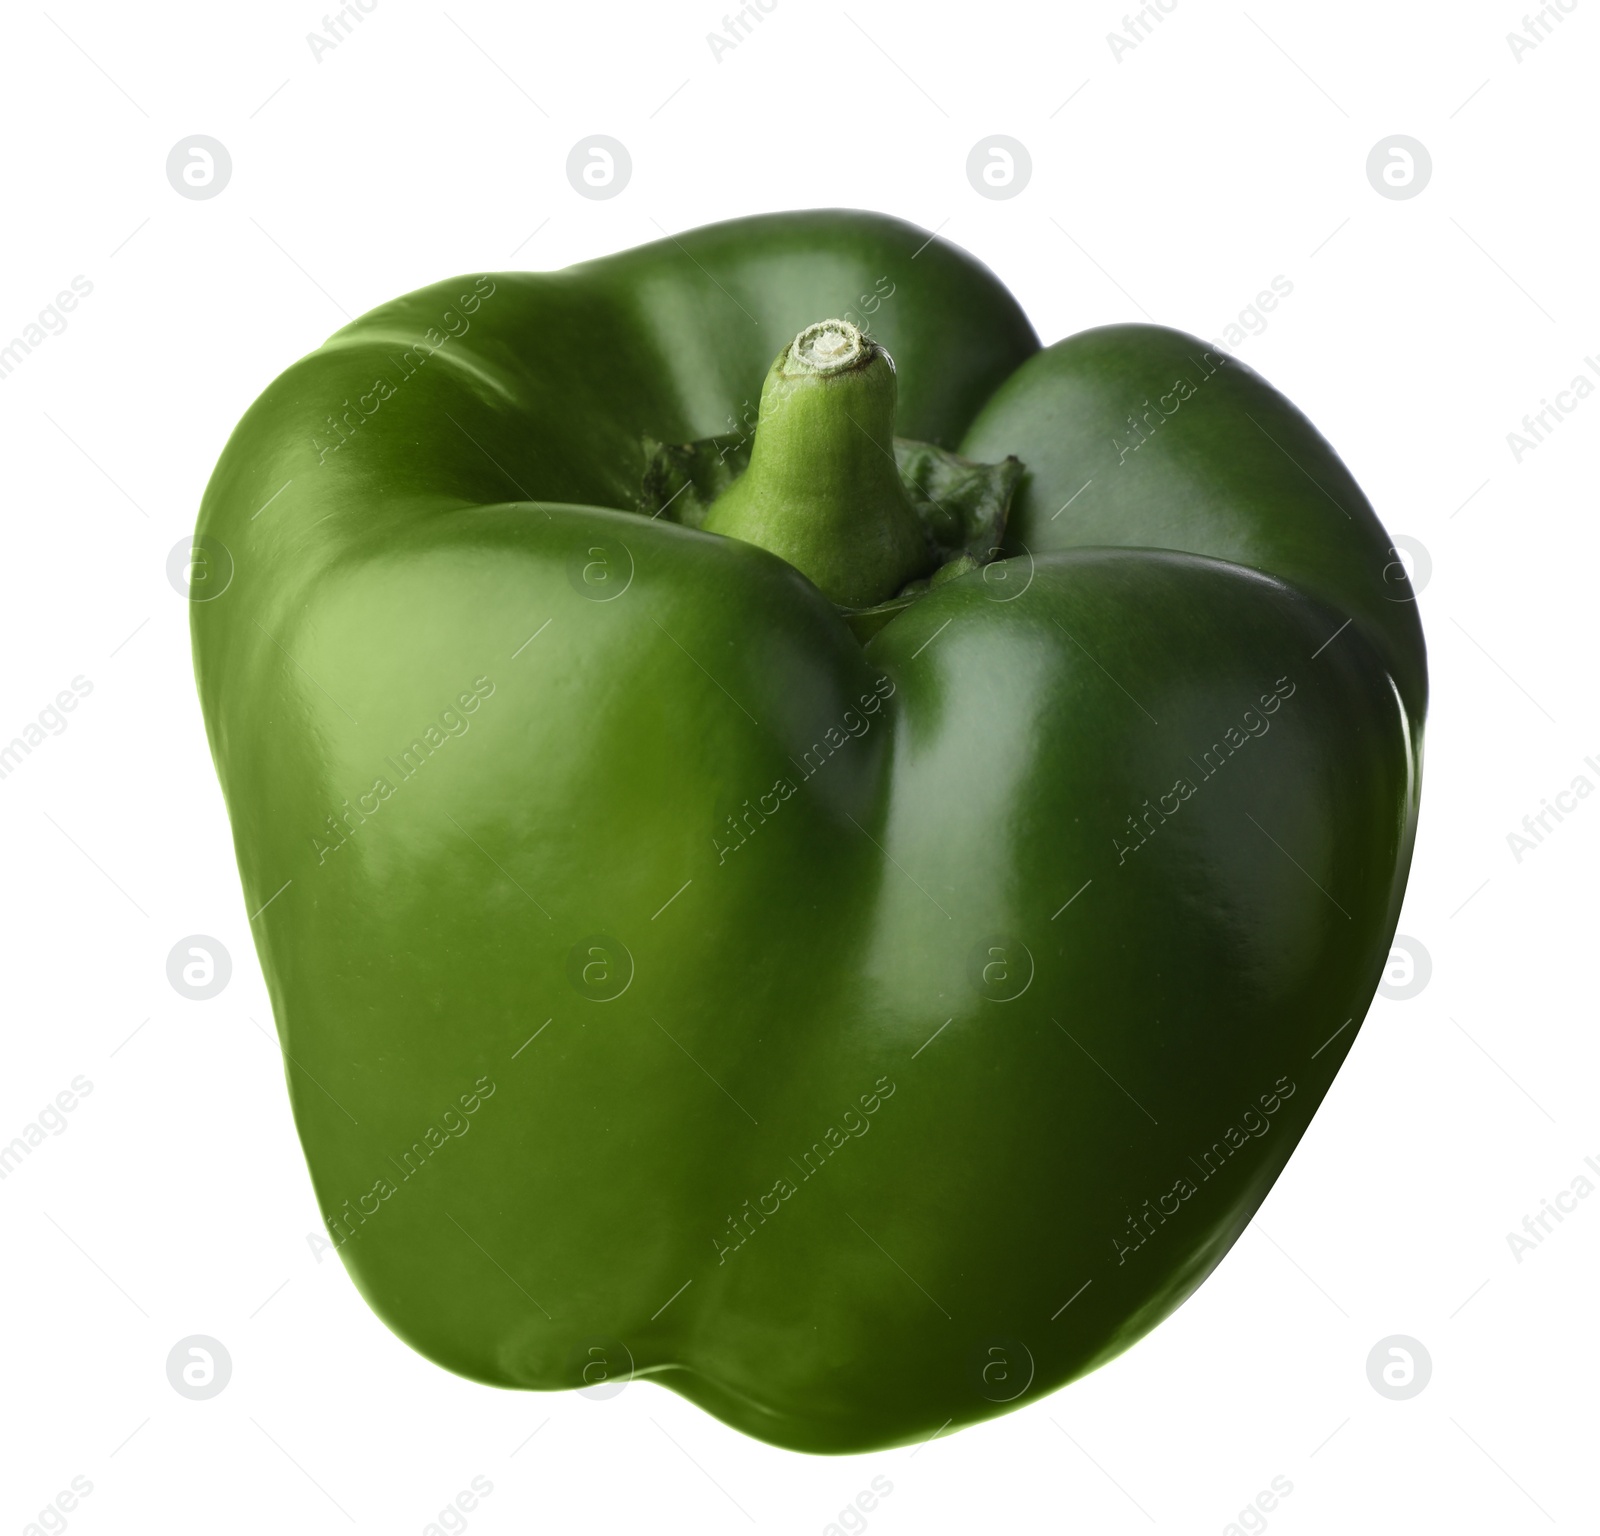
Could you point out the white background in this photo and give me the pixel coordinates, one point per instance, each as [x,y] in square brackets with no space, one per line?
[1224,149]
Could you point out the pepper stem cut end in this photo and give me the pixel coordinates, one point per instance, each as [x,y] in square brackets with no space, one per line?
[828,347]
[823,490]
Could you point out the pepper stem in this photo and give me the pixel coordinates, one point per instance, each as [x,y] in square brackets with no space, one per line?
[823,490]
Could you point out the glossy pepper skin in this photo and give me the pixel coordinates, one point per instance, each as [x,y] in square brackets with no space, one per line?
[853,1038]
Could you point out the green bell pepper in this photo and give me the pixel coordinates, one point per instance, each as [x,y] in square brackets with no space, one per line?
[839,896]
